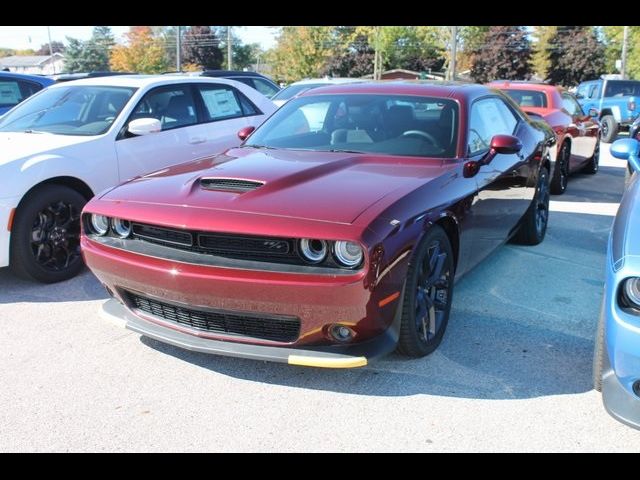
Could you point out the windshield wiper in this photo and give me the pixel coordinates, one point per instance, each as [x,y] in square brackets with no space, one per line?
[343,151]
[260,147]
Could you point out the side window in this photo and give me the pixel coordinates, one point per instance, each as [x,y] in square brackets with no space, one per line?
[489,117]
[570,105]
[173,106]
[264,87]
[247,107]
[220,102]
[10,92]
[584,90]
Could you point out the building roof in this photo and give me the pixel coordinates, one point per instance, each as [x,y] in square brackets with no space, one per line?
[27,60]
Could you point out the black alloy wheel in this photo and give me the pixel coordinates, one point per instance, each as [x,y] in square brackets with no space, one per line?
[428,292]
[45,237]
[561,171]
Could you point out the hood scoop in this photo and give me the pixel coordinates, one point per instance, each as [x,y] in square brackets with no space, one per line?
[229,184]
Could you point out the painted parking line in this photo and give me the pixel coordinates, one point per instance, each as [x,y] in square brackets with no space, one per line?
[593,208]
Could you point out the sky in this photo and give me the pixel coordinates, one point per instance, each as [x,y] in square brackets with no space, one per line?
[21,38]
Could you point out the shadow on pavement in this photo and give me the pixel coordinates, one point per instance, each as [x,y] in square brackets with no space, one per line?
[83,287]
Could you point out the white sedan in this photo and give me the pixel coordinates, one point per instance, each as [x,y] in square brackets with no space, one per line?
[73,140]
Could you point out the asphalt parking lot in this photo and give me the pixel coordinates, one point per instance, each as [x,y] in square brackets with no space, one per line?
[512,374]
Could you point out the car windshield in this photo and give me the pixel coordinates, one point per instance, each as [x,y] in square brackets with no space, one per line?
[69,110]
[528,98]
[618,88]
[293,90]
[384,124]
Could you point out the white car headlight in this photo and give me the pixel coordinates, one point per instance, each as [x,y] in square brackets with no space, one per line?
[122,228]
[99,224]
[348,254]
[313,250]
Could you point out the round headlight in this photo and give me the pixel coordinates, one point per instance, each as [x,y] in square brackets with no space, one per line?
[312,250]
[122,228]
[632,291]
[348,254]
[99,224]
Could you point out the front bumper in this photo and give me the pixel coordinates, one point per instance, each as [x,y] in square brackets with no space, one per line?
[621,367]
[316,300]
[621,404]
[328,357]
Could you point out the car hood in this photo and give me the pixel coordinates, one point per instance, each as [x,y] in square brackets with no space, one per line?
[20,145]
[326,186]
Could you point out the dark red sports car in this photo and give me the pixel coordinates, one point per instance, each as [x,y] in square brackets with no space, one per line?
[577,133]
[334,233]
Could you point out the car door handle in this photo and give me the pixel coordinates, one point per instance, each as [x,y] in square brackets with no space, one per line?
[196,140]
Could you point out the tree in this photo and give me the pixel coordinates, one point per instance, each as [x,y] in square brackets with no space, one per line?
[575,55]
[6,52]
[302,52]
[540,59]
[57,47]
[413,48]
[143,54]
[470,38]
[613,50]
[355,58]
[89,56]
[201,46]
[505,53]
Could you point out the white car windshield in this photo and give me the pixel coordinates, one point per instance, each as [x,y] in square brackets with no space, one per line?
[70,110]
[359,123]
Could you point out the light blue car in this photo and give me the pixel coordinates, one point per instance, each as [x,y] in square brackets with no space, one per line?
[616,362]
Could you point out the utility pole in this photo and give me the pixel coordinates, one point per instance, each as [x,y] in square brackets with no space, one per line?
[229,48]
[625,44]
[53,64]
[178,50]
[377,57]
[454,47]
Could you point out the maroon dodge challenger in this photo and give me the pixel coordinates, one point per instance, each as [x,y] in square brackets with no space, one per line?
[334,234]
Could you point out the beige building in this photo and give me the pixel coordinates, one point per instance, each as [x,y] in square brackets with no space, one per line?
[33,64]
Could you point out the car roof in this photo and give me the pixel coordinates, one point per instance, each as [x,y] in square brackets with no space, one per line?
[520,85]
[328,81]
[35,78]
[140,81]
[459,90]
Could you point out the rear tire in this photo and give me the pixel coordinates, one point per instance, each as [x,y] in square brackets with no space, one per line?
[594,162]
[427,298]
[45,236]
[598,352]
[561,170]
[533,225]
[609,128]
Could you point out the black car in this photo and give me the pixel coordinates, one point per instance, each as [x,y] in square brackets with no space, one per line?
[255,80]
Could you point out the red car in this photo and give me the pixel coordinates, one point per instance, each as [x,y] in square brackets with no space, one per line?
[578,135]
[333,234]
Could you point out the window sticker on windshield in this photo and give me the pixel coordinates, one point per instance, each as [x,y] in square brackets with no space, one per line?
[9,93]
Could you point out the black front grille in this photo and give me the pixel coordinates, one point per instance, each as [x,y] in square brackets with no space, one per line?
[229,184]
[268,327]
[246,246]
[164,235]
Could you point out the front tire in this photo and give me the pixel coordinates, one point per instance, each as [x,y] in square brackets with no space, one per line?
[45,236]
[609,128]
[427,298]
[533,225]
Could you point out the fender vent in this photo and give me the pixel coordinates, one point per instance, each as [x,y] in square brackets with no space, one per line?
[229,184]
